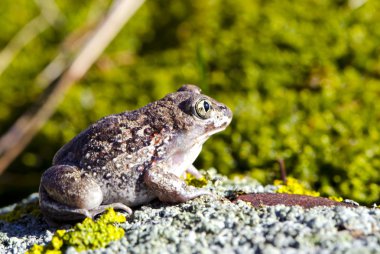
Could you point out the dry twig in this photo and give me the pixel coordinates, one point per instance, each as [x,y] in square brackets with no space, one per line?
[49,16]
[281,164]
[24,129]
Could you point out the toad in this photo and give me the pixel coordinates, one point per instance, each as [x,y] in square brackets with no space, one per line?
[128,159]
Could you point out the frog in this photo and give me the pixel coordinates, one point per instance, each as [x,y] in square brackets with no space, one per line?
[128,159]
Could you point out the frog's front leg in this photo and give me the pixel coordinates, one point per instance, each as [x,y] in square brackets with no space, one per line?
[68,195]
[169,187]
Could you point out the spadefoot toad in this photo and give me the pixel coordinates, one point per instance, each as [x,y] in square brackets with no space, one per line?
[128,159]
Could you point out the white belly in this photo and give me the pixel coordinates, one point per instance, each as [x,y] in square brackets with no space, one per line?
[181,161]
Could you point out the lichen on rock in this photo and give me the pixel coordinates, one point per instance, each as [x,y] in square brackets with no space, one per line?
[85,235]
[21,210]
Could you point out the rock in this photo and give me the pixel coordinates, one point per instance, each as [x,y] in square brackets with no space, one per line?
[216,225]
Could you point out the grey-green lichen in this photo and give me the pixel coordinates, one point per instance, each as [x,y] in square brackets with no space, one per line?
[21,210]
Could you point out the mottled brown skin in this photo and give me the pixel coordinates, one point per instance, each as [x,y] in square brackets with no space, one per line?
[128,159]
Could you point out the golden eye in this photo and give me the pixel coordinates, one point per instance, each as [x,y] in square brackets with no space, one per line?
[203,108]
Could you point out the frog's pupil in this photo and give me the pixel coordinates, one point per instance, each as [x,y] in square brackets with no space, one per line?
[206,106]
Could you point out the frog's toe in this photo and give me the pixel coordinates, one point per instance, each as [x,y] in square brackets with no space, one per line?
[194,192]
[193,171]
[116,206]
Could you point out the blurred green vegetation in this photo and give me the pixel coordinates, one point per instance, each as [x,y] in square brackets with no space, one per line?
[302,78]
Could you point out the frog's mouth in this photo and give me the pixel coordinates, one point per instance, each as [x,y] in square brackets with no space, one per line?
[217,126]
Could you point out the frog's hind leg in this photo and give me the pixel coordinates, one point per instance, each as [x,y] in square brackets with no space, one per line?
[56,213]
[68,195]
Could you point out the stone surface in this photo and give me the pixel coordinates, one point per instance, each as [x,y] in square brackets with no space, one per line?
[216,225]
[271,199]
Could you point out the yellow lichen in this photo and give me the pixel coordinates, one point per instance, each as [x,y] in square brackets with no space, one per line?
[88,234]
[293,186]
[335,198]
[36,249]
[196,182]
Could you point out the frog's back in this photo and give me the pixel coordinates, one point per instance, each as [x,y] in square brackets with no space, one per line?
[98,142]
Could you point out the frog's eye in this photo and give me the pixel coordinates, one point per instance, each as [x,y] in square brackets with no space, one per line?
[203,108]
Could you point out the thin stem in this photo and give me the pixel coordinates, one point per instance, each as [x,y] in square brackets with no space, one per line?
[23,130]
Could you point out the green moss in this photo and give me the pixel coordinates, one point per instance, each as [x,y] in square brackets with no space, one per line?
[196,182]
[303,86]
[21,210]
[88,234]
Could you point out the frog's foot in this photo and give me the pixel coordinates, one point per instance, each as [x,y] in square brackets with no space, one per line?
[56,213]
[193,171]
[115,206]
[170,188]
